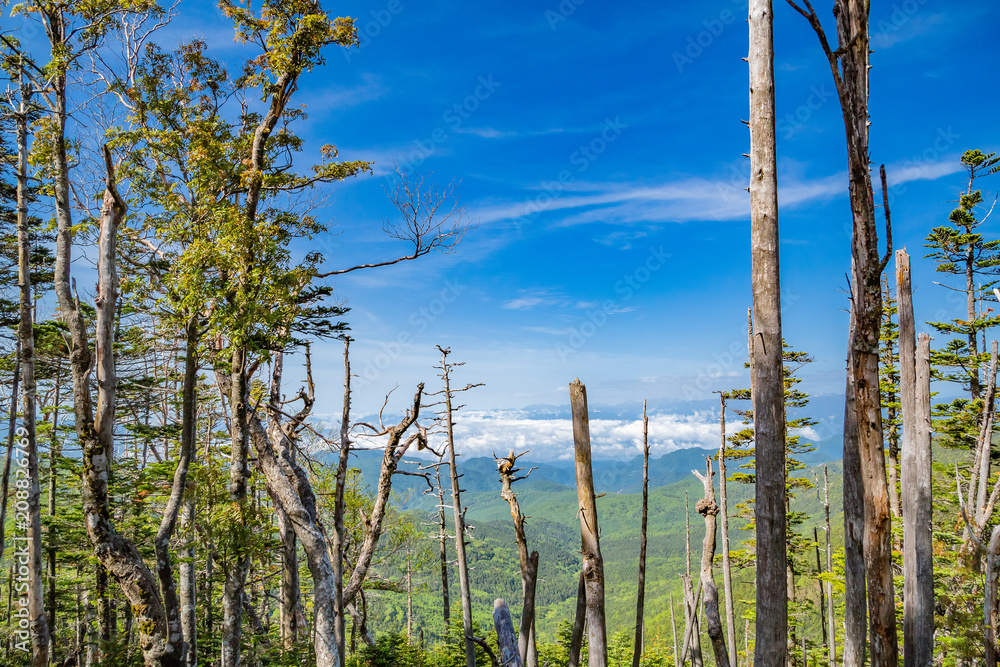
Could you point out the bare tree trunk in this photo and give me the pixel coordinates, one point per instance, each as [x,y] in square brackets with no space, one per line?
[855,582]
[708,508]
[443,552]
[892,436]
[727,574]
[691,629]
[507,467]
[822,592]
[188,578]
[849,65]
[593,562]
[116,554]
[339,508]
[768,387]
[289,580]
[641,593]
[918,559]
[506,638]
[673,628]
[26,339]
[579,621]
[831,621]
[55,451]
[459,514]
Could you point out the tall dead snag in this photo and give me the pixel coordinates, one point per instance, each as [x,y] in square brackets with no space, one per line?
[593,562]
[767,378]
[918,556]
[442,525]
[709,509]
[339,506]
[160,645]
[641,593]
[691,629]
[849,65]
[727,572]
[831,619]
[26,340]
[456,503]
[507,467]
[855,581]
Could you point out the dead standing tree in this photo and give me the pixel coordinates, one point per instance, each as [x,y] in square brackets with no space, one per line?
[448,417]
[708,508]
[849,65]
[640,602]
[507,467]
[768,390]
[918,556]
[727,572]
[593,562]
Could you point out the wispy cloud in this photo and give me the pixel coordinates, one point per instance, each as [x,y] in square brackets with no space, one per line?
[533,299]
[689,199]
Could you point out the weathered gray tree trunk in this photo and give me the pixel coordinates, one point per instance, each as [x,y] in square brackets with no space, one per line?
[849,65]
[855,580]
[507,467]
[727,572]
[593,562]
[506,637]
[579,623]
[459,515]
[94,434]
[768,387]
[641,593]
[691,628]
[188,581]
[339,507]
[831,620]
[443,550]
[287,616]
[709,509]
[918,556]
[26,339]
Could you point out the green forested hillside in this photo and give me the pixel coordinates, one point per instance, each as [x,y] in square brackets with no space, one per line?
[554,531]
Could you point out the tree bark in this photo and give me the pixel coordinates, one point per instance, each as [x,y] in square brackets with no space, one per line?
[709,509]
[831,621]
[507,467]
[727,573]
[579,622]
[443,552]
[506,638]
[339,507]
[289,580]
[850,65]
[918,558]
[459,514]
[991,603]
[768,386]
[641,593]
[593,562]
[691,628]
[855,582]
[28,488]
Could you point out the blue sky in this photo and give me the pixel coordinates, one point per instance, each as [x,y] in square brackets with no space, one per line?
[599,147]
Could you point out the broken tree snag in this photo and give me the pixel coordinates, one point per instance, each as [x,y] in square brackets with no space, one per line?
[767,377]
[727,571]
[918,546]
[593,562]
[508,470]
[709,509]
[506,639]
[579,621]
[641,594]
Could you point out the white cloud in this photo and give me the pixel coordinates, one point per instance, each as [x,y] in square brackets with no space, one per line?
[533,299]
